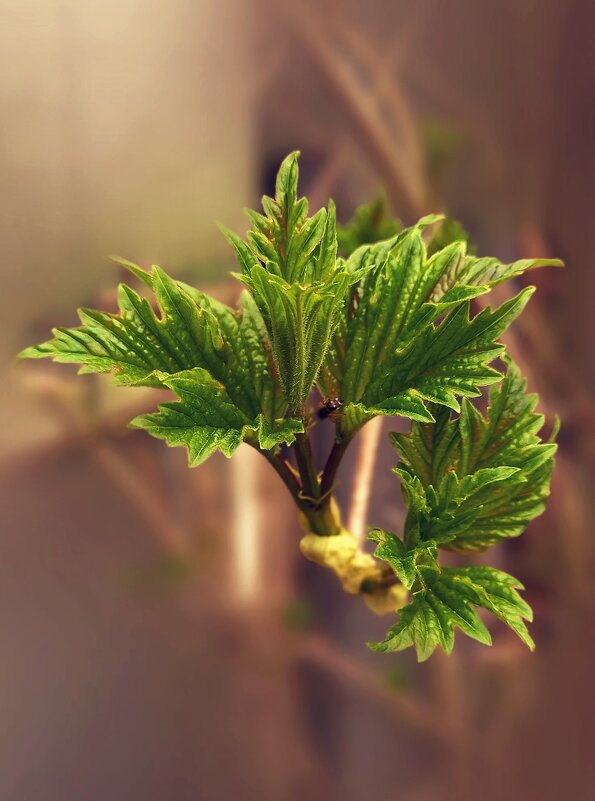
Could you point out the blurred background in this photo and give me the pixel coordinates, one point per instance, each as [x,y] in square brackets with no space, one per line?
[161,637]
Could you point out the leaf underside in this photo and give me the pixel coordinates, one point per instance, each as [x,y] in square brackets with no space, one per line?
[448,599]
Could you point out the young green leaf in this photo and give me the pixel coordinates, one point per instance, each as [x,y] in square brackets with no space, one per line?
[446,599]
[437,364]
[206,419]
[404,561]
[406,337]
[290,266]
[431,618]
[195,338]
[135,343]
[486,272]
[445,513]
[496,592]
[370,223]
[300,322]
[452,458]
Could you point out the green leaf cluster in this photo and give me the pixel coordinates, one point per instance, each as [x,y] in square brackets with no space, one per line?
[477,479]
[469,482]
[386,328]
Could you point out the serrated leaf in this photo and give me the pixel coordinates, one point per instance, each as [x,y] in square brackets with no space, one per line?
[136,342]
[206,419]
[290,266]
[418,626]
[370,223]
[288,243]
[429,450]
[455,504]
[229,351]
[430,620]
[486,272]
[406,337]
[496,592]
[443,362]
[448,599]
[449,458]
[403,561]
[300,321]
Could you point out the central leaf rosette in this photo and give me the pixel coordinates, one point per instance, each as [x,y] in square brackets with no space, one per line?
[387,330]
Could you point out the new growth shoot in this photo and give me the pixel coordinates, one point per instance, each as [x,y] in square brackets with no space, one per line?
[387,330]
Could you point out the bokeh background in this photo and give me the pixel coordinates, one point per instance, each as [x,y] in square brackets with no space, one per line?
[161,638]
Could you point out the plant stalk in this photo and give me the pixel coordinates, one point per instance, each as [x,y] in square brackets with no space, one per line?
[326,542]
[332,463]
[305,461]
